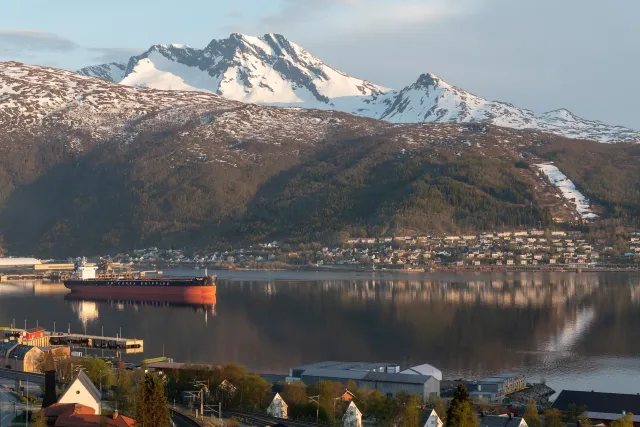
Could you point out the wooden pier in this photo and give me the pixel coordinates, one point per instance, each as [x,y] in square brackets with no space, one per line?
[58,339]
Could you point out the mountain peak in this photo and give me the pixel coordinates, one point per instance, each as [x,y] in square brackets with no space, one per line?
[561,113]
[427,80]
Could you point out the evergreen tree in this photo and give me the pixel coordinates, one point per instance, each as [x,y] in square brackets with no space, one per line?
[152,407]
[460,412]
[531,415]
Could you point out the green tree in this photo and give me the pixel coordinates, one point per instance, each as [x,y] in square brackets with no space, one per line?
[3,248]
[374,403]
[411,415]
[295,393]
[37,420]
[553,418]
[232,372]
[626,421]
[460,412]
[389,412]
[574,411]
[441,409]
[98,371]
[531,415]
[124,390]
[254,390]
[152,406]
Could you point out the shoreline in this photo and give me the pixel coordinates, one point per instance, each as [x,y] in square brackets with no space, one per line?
[487,269]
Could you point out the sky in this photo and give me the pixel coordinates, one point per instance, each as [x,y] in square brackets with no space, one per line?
[537,54]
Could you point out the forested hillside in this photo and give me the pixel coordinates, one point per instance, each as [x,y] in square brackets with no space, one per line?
[92,167]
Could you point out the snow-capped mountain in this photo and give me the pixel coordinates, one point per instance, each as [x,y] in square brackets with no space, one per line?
[268,70]
[431,99]
[274,71]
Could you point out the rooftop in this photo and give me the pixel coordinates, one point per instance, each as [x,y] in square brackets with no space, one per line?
[345,366]
[397,378]
[498,378]
[21,351]
[499,421]
[609,403]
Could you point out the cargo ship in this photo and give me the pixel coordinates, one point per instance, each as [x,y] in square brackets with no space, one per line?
[84,281]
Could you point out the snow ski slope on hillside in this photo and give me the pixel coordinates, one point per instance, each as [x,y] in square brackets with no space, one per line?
[568,189]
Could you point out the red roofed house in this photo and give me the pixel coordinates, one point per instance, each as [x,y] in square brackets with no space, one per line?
[77,415]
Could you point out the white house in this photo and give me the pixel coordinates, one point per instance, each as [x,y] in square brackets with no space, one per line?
[352,416]
[278,407]
[82,391]
[433,420]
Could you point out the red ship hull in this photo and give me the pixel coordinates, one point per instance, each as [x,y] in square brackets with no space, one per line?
[187,294]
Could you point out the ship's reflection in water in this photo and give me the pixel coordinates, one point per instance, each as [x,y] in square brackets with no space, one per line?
[574,330]
[87,308]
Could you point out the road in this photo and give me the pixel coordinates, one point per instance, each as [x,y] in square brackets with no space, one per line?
[7,401]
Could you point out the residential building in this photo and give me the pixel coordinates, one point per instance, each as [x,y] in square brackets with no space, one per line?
[352,416]
[278,408]
[83,391]
[433,420]
[75,414]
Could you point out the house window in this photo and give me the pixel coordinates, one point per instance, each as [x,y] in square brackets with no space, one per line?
[389,394]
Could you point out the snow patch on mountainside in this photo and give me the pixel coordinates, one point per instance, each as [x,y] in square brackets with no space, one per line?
[568,189]
[158,72]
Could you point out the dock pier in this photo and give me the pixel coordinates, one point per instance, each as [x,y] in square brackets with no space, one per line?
[44,338]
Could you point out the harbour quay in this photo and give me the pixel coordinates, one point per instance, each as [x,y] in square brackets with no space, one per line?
[39,337]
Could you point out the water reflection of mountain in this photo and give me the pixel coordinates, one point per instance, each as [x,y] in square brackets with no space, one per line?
[466,327]
[507,292]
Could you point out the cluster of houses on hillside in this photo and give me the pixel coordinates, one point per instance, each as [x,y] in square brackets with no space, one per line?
[519,248]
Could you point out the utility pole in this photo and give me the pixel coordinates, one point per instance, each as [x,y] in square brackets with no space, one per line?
[27,390]
[316,400]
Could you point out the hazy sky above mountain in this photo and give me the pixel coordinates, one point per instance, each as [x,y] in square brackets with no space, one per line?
[542,54]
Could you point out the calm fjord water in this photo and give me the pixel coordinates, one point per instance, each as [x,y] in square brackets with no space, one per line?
[576,331]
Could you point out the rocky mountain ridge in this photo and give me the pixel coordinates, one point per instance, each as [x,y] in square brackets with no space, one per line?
[271,70]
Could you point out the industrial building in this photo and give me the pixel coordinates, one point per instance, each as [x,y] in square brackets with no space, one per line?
[384,377]
[19,357]
[600,407]
[495,388]
[18,263]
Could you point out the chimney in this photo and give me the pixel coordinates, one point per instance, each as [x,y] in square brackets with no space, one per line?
[115,414]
